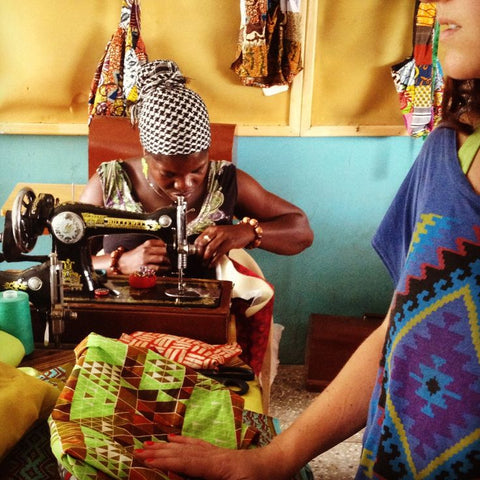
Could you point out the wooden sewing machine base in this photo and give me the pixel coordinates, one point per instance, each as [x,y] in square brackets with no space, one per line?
[204,318]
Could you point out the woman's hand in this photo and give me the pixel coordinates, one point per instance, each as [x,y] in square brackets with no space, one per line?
[218,240]
[199,459]
[152,253]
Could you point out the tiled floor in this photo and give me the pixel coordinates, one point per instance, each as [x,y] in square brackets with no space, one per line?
[288,399]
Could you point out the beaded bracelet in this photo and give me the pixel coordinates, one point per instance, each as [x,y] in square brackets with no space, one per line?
[257,229]
[114,258]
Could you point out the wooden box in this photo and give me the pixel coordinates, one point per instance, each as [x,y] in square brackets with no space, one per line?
[331,341]
[209,323]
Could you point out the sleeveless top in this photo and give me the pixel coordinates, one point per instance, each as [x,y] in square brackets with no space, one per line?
[217,207]
[424,418]
[467,152]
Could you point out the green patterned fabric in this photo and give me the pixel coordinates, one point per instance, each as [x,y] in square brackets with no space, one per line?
[119,396]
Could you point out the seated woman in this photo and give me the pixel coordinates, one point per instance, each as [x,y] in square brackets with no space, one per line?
[175,135]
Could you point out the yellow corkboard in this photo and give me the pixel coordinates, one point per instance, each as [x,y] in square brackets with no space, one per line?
[51,49]
[355,45]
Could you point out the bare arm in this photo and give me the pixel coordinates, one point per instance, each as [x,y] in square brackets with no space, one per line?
[93,193]
[338,412]
[286,229]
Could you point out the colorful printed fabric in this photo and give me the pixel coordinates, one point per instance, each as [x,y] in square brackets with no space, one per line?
[424,420]
[253,331]
[419,79]
[187,351]
[113,86]
[269,49]
[119,396]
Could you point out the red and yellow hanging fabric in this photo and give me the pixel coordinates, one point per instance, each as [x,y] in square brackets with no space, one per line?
[419,78]
[269,48]
[113,86]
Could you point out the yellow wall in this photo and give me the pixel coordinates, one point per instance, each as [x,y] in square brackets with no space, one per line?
[50,51]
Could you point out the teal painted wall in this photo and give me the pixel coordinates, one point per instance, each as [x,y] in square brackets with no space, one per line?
[344,185]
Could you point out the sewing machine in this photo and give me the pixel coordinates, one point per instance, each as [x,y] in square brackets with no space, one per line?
[64,287]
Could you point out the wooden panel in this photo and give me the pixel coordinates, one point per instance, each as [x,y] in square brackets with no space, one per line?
[348,88]
[112,138]
[212,325]
[48,67]
[331,341]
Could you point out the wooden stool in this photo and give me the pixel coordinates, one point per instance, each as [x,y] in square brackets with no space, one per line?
[331,341]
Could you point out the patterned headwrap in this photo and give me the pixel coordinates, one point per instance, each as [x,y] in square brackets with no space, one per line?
[172,119]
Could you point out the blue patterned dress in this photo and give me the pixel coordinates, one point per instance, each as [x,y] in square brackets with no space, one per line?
[424,419]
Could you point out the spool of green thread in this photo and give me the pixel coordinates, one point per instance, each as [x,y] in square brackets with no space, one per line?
[15,317]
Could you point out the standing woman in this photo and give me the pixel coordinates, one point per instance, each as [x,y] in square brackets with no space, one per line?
[415,382]
[175,134]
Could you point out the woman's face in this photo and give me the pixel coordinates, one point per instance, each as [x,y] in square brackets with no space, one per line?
[179,174]
[460,37]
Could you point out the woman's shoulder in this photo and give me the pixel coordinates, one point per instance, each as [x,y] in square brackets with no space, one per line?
[442,133]
[441,143]
[222,168]
[118,166]
[222,164]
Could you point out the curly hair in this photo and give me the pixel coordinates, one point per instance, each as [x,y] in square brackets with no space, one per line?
[461,100]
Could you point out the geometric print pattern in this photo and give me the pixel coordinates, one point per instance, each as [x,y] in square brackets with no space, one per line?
[173,120]
[119,396]
[31,458]
[430,396]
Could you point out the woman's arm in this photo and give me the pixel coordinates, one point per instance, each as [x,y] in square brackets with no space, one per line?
[286,229]
[93,192]
[338,412]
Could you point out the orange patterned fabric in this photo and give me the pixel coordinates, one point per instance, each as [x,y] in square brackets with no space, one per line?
[113,87]
[187,351]
[269,49]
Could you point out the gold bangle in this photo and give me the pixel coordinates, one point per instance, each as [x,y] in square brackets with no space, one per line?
[114,258]
[257,230]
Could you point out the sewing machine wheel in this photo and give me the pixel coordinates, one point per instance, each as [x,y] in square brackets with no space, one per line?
[24,234]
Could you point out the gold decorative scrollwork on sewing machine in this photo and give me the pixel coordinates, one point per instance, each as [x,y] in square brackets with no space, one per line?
[98,221]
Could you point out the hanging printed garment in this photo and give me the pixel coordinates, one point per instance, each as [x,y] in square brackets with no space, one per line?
[119,396]
[113,86]
[419,79]
[269,48]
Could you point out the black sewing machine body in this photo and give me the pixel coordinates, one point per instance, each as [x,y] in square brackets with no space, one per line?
[73,225]
[66,275]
